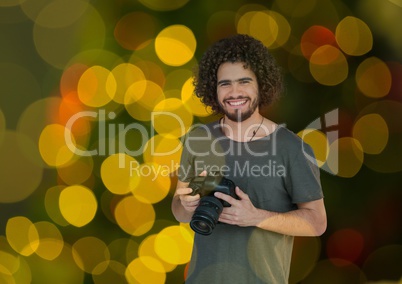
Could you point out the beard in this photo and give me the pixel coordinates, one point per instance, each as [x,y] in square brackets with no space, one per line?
[238,115]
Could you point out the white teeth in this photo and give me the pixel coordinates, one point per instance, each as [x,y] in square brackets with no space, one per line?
[237,103]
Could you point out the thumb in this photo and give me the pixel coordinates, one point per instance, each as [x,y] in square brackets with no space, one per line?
[203,174]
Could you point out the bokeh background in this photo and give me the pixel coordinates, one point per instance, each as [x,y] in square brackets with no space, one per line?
[90,96]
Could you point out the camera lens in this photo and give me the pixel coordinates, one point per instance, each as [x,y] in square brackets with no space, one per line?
[206,215]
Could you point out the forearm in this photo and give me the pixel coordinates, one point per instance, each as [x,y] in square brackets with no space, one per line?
[179,212]
[300,222]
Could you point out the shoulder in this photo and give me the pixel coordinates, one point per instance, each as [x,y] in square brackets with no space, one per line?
[290,141]
[204,130]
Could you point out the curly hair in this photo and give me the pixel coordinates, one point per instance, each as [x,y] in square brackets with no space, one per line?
[238,48]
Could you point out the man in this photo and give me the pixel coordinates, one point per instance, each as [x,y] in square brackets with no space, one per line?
[278,189]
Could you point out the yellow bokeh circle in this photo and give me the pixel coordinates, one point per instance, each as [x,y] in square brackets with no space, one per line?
[96,87]
[318,142]
[353,36]
[328,65]
[56,145]
[174,245]
[171,118]
[133,216]
[371,131]
[78,205]
[192,102]
[118,173]
[22,235]
[145,269]
[373,78]
[175,45]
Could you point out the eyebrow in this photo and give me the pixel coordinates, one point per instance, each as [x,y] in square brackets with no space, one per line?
[237,80]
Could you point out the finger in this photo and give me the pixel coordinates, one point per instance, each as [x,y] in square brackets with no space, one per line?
[204,173]
[184,190]
[225,197]
[190,198]
[241,194]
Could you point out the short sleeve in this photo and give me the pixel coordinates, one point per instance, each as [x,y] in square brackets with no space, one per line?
[304,176]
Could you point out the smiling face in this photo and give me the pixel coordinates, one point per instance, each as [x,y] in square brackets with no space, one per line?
[237,90]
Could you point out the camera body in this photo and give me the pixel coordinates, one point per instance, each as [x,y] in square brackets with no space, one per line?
[208,185]
[207,213]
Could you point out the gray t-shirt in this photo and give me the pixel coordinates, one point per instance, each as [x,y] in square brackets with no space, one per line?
[277,172]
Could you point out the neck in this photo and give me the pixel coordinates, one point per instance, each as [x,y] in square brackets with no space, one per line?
[242,131]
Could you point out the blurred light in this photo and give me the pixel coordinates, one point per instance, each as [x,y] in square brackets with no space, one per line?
[58,45]
[260,25]
[372,132]
[384,263]
[50,240]
[220,25]
[175,45]
[152,71]
[345,157]
[171,118]
[306,252]
[20,173]
[19,89]
[139,103]
[154,183]
[174,245]
[3,126]
[14,269]
[192,102]
[335,271]
[373,78]
[10,3]
[396,76]
[9,263]
[133,216]
[61,13]
[318,142]
[145,269]
[315,37]
[22,235]
[117,174]
[162,5]
[295,8]
[147,248]
[35,118]
[96,87]
[62,269]
[78,205]
[125,75]
[123,250]
[385,20]
[163,151]
[70,78]
[114,273]
[346,244]
[89,252]
[135,30]
[93,57]
[52,205]
[276,29]
[78,171]
[328,65]
[53,147]
[354,36]
[390,158]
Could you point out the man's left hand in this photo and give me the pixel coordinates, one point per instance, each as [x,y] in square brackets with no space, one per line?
[242,212]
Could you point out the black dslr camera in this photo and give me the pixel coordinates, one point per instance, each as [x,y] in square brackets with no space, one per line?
[207,213]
